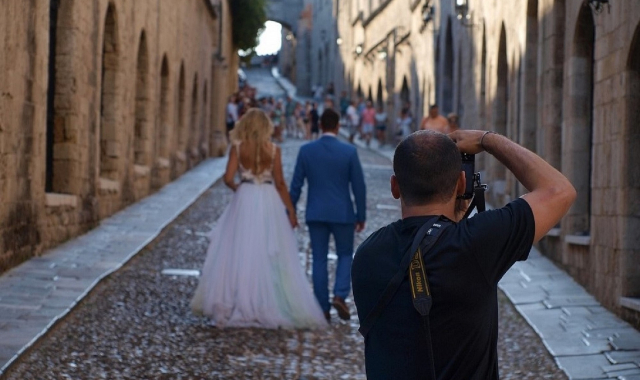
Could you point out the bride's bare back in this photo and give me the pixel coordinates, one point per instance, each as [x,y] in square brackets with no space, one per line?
[247,157]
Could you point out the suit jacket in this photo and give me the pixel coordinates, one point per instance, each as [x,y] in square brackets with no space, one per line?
[330,168]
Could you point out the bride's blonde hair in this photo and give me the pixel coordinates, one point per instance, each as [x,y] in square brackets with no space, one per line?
[254,126]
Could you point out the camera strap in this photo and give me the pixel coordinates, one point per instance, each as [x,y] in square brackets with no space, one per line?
[478,201]
[412,264]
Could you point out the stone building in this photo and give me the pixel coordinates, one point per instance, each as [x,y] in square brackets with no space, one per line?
[561,77]
[103,102]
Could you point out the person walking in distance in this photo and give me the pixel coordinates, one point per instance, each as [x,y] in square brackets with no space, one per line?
[232,113]
[332,170]
[434,121]
[368,122]
[452,119]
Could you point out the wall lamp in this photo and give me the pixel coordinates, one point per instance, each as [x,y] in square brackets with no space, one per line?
[598,5]
[339,41]
[461,7]
[428,12]
[359,49]
[382,54]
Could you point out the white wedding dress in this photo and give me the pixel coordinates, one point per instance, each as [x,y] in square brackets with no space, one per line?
[252,275]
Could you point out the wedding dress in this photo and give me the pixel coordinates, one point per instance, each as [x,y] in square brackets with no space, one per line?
[252,275]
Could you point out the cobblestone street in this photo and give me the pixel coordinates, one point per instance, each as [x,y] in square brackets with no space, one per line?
[137,324]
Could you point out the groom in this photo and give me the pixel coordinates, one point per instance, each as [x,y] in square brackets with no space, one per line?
[330,168]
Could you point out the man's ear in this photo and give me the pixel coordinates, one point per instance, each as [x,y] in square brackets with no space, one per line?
[395,187]
[462,184]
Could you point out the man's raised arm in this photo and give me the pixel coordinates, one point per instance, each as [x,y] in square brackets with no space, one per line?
[550,192]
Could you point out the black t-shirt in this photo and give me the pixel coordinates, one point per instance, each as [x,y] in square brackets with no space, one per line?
[463,270]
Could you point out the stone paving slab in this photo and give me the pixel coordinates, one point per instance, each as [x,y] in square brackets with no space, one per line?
[36,294]
[587,341]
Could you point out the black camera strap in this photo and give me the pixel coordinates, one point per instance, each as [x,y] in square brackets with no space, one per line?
[413,264]
[478,201]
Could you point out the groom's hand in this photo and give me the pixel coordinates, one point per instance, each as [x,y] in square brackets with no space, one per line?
[359,226]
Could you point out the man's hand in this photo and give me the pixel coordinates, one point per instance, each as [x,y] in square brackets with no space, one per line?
[468,141]
[359,226]
[550,193]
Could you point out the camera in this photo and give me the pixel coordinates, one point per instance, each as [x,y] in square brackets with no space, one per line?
[474,188]
[468,166]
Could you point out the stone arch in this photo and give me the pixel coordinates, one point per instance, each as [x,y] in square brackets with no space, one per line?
[204,135]
[163,132]
[500,111]
[370,94]
[483,79]
[359,92]
[181,132]
[447,77]
[141,133]
[529,90]
[577,158]
[379,95]
[62,151]
[551,85]
[631,181]
[405,92]
[459,104]
[110,145]
[193,125]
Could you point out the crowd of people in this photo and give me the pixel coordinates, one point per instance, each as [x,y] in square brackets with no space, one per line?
[300,119]
[290,118]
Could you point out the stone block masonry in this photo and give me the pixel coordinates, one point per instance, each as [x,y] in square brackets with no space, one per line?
[92,104]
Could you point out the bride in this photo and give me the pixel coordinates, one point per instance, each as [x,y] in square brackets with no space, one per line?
[252,275]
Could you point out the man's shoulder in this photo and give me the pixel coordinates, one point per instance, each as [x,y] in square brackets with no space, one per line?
[379,239]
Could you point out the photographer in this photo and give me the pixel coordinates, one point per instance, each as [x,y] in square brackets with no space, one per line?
[458,340]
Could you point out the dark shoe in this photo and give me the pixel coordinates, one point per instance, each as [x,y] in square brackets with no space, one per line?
[327,316]
[342,308]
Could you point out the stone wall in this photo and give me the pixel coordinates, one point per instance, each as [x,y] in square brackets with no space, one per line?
[553,75]
[103,102]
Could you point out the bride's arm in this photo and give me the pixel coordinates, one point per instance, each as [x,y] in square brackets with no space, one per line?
[232,168]
[281,186]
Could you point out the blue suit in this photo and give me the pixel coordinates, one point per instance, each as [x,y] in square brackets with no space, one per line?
[333,171]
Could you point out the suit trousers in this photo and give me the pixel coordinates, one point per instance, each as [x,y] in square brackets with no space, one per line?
[343,234]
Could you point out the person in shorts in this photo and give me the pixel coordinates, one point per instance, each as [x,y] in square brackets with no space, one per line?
[368,122]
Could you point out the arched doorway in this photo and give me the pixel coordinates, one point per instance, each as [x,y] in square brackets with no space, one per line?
[379,95]
[577,159]
[405,93]
[193,130]
[204,140]
[529,90]
[178,157]
[163,132]
[162,163]
[141,133]
[109,141]
[182,133]
[631,188]
[500,114]
[551,86]
[447,77]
